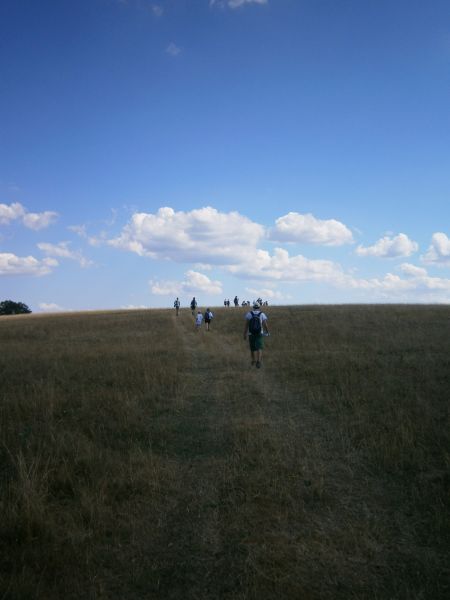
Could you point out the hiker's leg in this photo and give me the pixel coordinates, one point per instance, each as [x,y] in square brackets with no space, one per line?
[259,345]
[253,349]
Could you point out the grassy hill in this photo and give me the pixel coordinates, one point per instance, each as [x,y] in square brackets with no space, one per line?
[140,458]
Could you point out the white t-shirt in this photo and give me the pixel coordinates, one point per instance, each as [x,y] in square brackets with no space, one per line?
[199,319]
[261,315]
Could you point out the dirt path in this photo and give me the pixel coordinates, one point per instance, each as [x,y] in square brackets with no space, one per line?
[270,505]
[235,528]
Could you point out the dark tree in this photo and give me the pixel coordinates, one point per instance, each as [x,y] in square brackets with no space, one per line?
[8,307]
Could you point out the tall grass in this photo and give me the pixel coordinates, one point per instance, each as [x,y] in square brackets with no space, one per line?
[140,458]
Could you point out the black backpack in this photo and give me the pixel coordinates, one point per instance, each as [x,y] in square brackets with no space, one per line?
[255,325]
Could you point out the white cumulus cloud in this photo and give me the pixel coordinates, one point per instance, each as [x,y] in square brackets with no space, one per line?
[50,307]
[198,282]
[10,212]
[203,235]
[296,227]
[10,264]
[417,285]
[267,293]
[413,270]
[34,221]
[62,250]
[193,283]
[38,221]
[413,285]
[80,230]
[166,287]
[438,252]
[390,247]
[282,267]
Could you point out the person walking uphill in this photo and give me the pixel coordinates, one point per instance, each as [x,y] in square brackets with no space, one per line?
[193,305]
[208,318]
[256,328]
[176,305]
[198,320]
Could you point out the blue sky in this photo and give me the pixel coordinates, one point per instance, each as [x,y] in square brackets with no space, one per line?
[296,150]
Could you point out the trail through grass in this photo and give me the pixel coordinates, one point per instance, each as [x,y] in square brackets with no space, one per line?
[274,505]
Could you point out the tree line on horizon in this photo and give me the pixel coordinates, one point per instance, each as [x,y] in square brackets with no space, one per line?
[9,307]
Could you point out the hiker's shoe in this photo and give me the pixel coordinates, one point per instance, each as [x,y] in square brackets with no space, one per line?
[258,364]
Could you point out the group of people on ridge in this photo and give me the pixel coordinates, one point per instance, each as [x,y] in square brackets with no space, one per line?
[255,328]
[259,301]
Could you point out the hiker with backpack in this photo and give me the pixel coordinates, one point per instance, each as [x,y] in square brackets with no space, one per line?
[193,305]
[256,328]
[176,306]
[208,318]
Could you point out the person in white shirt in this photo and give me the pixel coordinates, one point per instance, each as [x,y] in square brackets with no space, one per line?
[256,328]
[198,320]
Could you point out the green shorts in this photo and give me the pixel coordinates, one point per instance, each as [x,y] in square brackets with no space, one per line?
[256,342]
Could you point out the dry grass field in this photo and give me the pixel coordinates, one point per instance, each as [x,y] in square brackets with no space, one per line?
[142,459]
